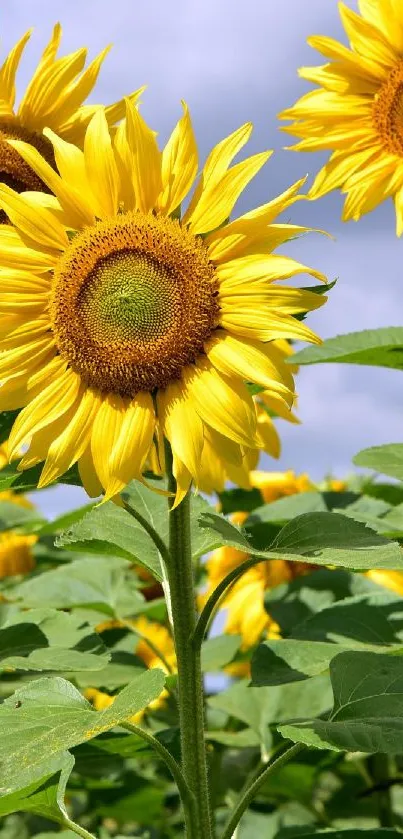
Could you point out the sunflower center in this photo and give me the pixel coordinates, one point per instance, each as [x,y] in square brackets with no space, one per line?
[13,170]
[134,299]
[388,111]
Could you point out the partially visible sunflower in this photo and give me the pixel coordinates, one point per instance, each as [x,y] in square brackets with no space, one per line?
[357,111]
[53,99]
[244,604]
[119,318]
[155,647]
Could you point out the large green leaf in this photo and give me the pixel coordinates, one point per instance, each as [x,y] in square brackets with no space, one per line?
[373,623]
[50,640]
[102,583]
[111,530]
[44,797]
[13,516]
[48,716]
[387,459]
[319,538]
[376,347]
[292,603]
[258,707]
[367,712]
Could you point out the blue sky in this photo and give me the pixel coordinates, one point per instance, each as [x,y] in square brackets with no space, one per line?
[234,62]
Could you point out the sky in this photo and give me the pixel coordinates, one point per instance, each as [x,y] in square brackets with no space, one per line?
[235,62]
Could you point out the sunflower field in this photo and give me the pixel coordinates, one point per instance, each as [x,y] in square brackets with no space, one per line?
[207,644]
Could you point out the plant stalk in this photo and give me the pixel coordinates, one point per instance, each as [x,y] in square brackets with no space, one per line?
[190,682]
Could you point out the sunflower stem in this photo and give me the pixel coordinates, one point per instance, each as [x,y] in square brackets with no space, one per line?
[190,681]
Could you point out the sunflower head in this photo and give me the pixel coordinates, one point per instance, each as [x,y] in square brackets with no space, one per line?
[16,555]
[53,98]
[129,323]
[357,110]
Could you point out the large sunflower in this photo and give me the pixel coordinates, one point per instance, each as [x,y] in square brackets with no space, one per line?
[357,112]
[121,320]
[54,98]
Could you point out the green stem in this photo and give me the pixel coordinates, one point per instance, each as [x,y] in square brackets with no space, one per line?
[214,599]
[158,542]
[76,828]
[248,795]
[187,797]
[190,682]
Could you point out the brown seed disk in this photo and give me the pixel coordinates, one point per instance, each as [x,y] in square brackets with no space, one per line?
[134,299]
[387,111]
[14,171]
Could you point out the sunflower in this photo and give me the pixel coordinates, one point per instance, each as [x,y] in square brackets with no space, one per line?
[16,555]
[122,321]
[53,98]
[156,648]
[357,110]
[244,604]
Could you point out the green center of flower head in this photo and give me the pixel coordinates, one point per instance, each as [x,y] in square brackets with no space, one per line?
[134,299]
[129,297]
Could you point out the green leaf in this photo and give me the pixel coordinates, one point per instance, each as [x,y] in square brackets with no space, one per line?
[367,712]
[373,623]
[292,603]
[258,707]
[219,651]
[111,531]
[319,538]
[44,797]
[11,478]
[51,711]
[233,500]
[13,516]
[375,347]
[50,640]
[102,583]
[386,459]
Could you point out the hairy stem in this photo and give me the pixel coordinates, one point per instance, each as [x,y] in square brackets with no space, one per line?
[190,682]
[187,797]
[247,795]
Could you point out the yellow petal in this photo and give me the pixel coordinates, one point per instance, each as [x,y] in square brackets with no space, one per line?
[71,444]
[218,199]
[248,269]
[228,407]
[266,325]
[15,254]
[70,198]
[247,359]
[181,425]
[44,98]
[41,227]
[217,164]
[106,429]
[9,69]
[145,160]
[101,166]
[75,94]
[179,164]
[49,405]
[290,301]
[16,361]
[88,475]
[366,39]
[183,480]
[341,165]
[132,445]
